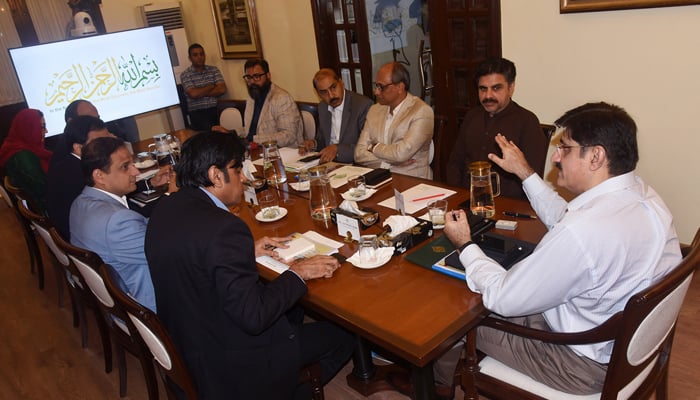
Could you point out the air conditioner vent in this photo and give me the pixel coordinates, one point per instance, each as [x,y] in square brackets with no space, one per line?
[169,18]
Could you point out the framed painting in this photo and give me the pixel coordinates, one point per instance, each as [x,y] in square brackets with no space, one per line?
[571,6]
[237,28]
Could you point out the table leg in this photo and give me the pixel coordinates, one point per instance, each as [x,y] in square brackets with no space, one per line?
[363,367]
[424,382]
[367,378]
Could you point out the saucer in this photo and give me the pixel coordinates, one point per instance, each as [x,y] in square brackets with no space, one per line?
[282,214]
[300,186]
[367,195]
[383,256]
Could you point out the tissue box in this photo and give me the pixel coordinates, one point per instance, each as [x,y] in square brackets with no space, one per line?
[370,218]
[409,238]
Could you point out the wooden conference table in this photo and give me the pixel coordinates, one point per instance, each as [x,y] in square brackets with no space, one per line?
[414,313]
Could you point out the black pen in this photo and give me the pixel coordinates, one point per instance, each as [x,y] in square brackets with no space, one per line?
[519,215]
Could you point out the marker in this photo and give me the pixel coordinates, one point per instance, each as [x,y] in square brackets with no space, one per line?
[429,197]
[518,215]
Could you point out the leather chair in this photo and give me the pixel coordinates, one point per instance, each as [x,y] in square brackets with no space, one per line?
[643,335]
[548,131]
[436,148]
[309,115]
[41,225]
[170,365]
[35,262]
[82,297]
[124,339]
[231,119]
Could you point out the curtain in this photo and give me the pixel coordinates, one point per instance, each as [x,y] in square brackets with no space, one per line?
[50,18]
[10,92]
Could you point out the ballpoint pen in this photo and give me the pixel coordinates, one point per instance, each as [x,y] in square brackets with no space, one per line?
[519,215]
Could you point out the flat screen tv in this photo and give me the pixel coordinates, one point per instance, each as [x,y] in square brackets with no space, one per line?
[122,74]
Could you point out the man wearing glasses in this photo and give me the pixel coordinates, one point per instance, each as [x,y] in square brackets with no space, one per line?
[341,116]
[495,80]
[399,129]
[270,111]
[202,84]
[615,238]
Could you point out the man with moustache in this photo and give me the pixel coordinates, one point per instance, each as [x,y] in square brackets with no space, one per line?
[341,116]
[270,112]
[202,84]
[615,238]
[495,80]
[398,129]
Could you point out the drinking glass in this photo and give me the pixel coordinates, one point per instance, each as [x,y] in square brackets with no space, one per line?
[303,180]
[437,210]
[357,186]
[268,205]
[368,249]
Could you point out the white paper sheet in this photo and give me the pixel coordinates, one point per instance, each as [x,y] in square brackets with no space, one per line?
[418,197]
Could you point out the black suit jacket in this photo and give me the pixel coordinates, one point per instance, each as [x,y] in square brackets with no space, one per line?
[354,114]
[229,326]
[64,183]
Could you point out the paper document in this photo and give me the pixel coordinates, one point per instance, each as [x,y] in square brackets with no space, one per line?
[320,245]
[418,197]
[290,158]
[339,176]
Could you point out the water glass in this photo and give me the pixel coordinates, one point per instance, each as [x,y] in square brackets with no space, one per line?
[303,180]
[268,205]
[368,249]
[357,186]
[437,210]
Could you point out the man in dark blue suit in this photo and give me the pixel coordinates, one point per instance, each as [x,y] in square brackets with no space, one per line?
[341,116]
[240,338]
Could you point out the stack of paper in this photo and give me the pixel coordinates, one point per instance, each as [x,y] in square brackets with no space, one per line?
[299,247]
[418,197]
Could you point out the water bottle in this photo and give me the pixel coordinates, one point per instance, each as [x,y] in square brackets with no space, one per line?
[273,167]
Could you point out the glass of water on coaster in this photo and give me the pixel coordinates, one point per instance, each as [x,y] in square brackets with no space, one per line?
[437,210]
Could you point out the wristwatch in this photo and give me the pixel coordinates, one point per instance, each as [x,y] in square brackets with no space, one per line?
[464,246]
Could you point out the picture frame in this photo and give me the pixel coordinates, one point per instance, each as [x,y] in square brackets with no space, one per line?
[573,6]
[237,28]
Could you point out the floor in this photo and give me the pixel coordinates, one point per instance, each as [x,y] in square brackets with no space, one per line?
[41,357]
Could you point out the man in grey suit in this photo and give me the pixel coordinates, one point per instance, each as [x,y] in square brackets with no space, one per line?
[101,221]
[341,116]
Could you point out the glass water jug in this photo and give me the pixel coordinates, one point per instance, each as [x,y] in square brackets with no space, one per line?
[321,195]
[481,190]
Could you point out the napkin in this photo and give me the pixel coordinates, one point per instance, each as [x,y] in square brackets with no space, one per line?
[351,206]
[400,223]
[248,169]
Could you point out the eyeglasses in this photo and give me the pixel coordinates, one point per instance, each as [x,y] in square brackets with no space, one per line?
[565,148]
[381,87]
[254,77]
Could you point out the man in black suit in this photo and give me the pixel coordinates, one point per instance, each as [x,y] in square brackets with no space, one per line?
[341,116]
[65,177]
[239,337]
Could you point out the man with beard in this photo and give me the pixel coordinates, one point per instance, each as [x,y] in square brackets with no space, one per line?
[495,79]
[341,116]
[270,112]
[202,84]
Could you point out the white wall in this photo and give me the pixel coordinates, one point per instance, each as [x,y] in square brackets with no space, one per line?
[647,61]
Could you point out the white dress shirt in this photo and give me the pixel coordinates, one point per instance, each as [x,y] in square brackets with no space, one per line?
[602,247]
[336,121]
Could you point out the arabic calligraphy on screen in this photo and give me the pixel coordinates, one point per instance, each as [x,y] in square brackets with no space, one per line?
[122,74]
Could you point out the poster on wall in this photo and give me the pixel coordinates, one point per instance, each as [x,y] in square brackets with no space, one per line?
[236,24]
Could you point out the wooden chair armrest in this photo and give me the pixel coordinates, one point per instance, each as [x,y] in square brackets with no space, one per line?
[604,332]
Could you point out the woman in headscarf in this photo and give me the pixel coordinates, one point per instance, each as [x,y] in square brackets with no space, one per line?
[24,157]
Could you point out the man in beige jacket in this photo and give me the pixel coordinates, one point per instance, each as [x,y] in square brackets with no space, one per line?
[399,128]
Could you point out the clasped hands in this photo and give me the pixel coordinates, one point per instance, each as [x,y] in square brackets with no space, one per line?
[307,268]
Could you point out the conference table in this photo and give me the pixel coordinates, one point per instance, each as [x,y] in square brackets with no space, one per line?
[413,313]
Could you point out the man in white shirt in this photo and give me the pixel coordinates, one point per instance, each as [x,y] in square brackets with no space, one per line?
[611,241]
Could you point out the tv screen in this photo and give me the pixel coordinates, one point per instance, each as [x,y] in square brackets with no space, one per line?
[122,74]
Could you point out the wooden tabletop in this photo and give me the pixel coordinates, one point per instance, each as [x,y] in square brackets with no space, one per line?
[413,312]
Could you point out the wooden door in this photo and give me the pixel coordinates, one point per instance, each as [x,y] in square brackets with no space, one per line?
[463,33]
[342,41]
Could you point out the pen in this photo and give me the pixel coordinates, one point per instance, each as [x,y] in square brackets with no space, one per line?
[518,215]
[429,197]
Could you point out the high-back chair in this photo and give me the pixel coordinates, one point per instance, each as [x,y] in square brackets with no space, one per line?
[170,365]
[231,119]
[643,335]
[82,296]
[547,131]
[309,116]
[115,316]
[436,153]
[35,262]
[42,225]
